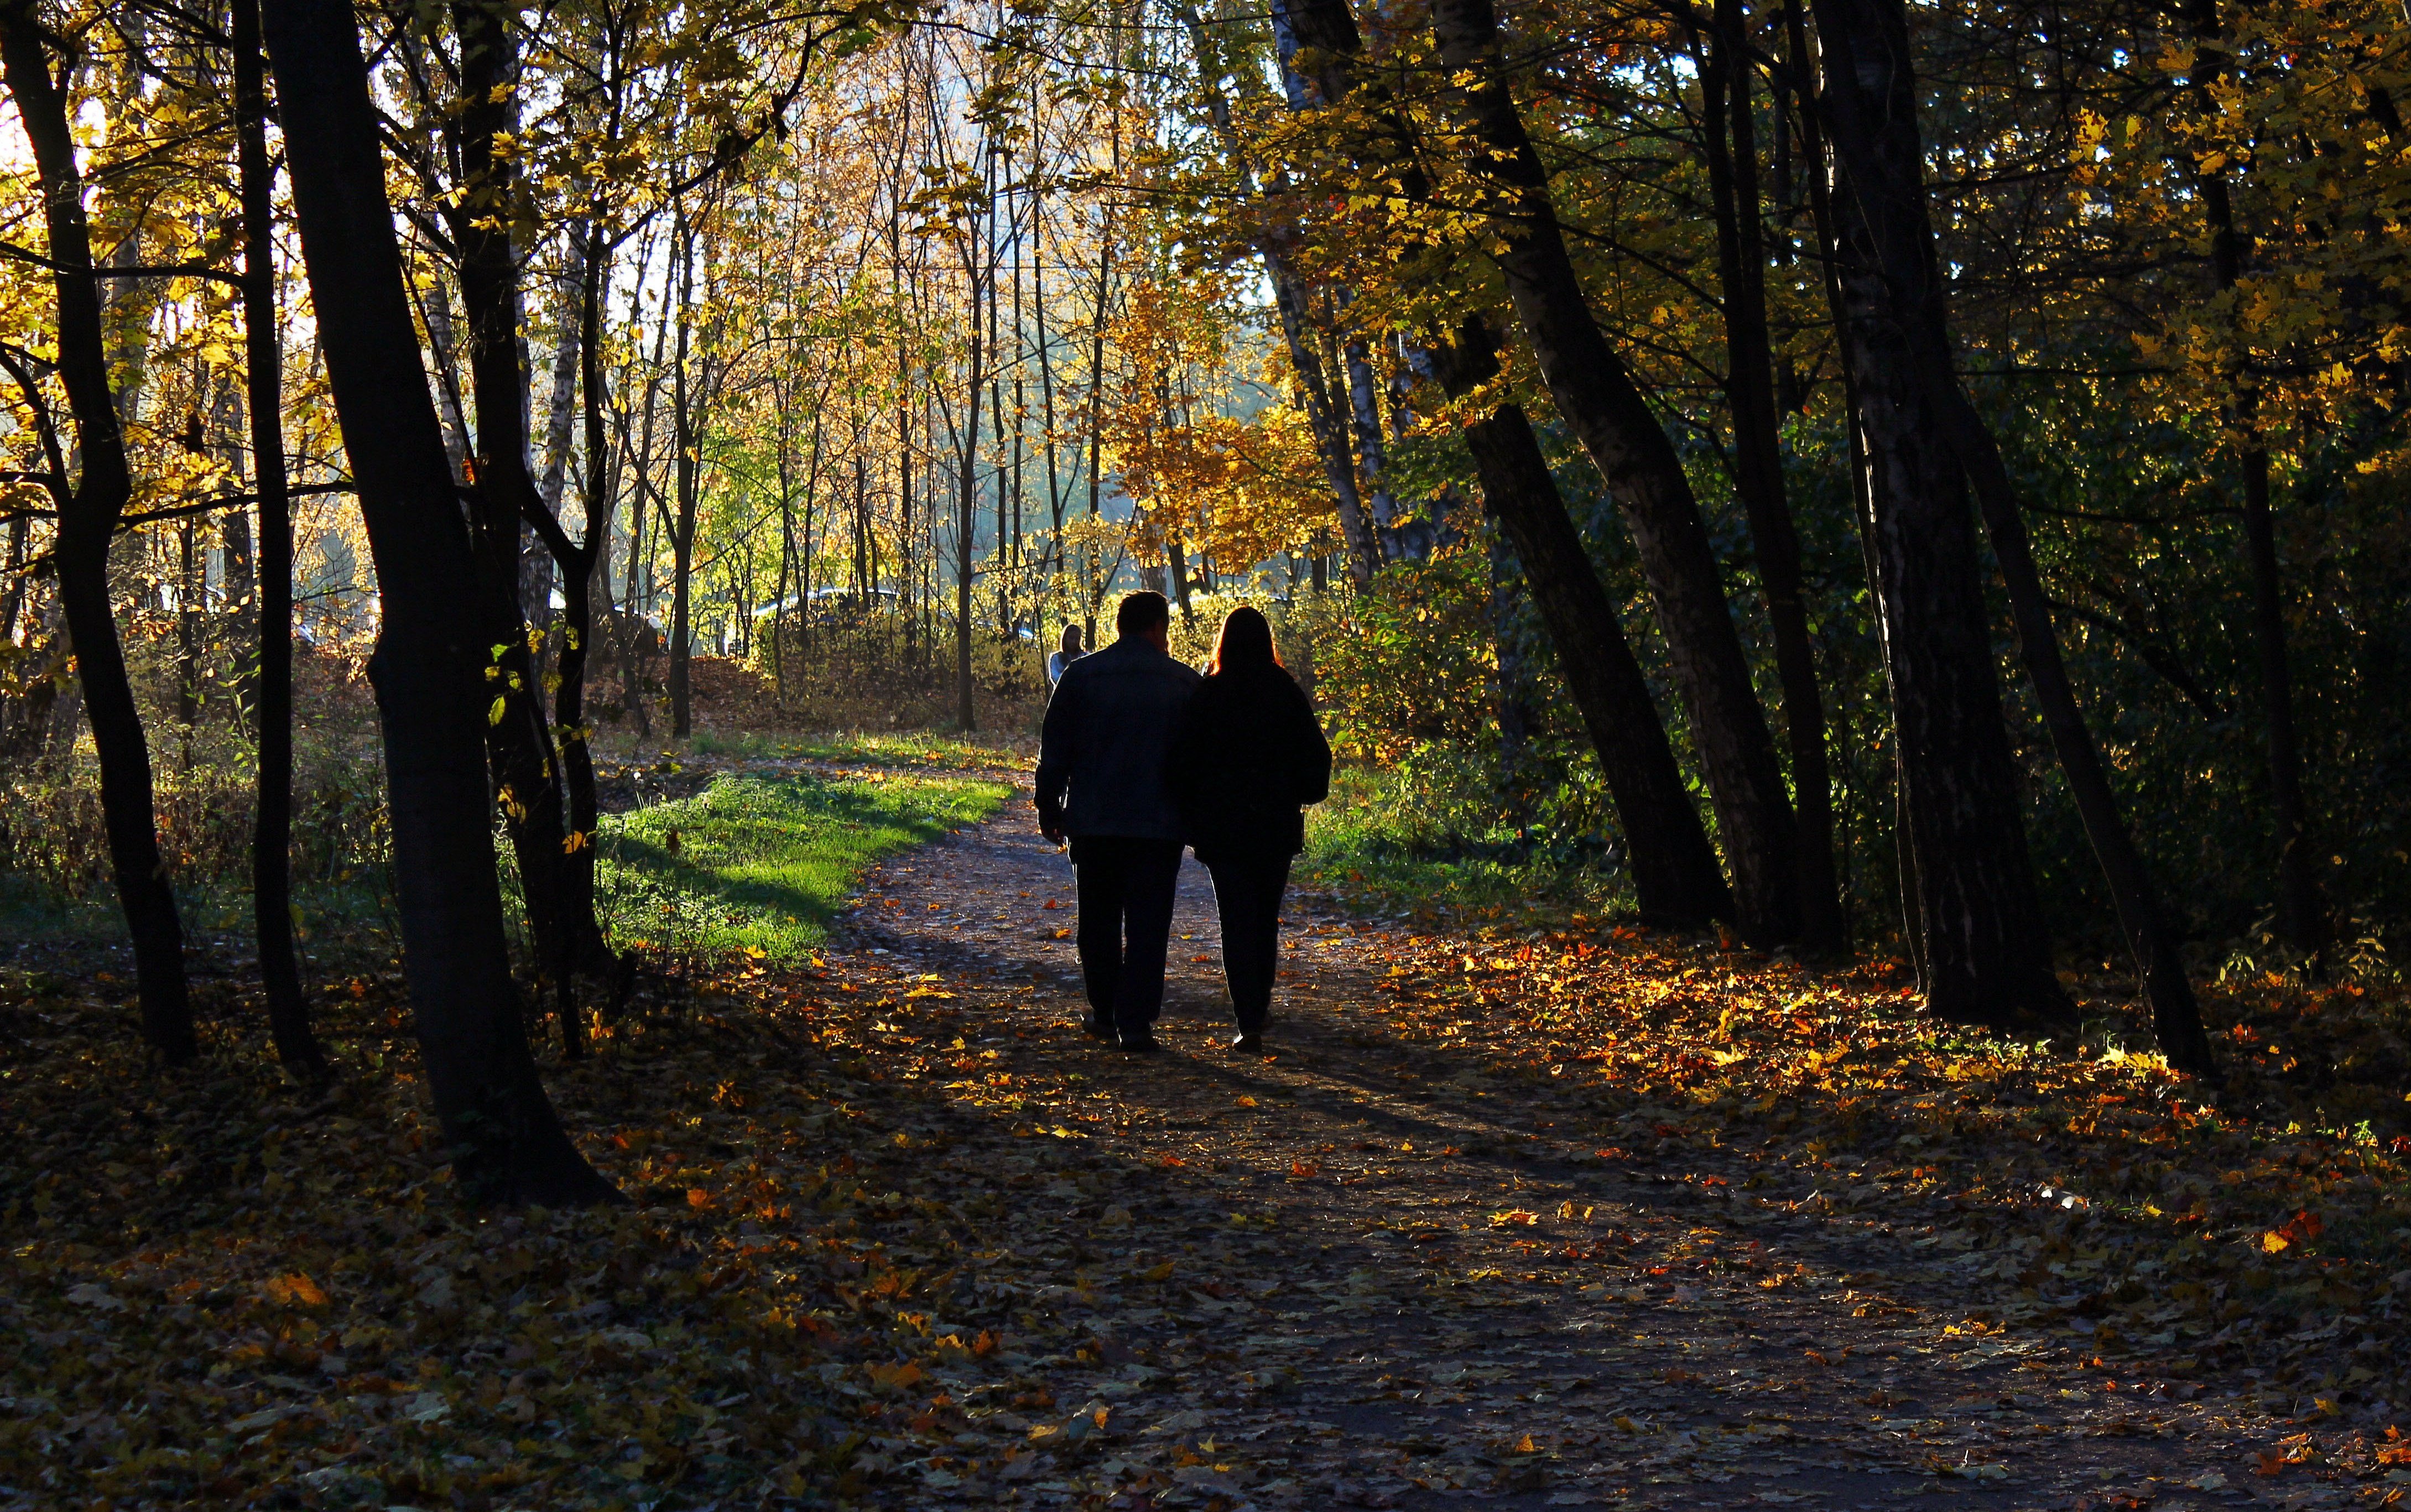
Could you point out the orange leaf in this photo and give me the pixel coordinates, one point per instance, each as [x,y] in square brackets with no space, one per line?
[296,1290]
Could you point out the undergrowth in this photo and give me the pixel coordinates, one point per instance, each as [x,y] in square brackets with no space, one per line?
[1432,834]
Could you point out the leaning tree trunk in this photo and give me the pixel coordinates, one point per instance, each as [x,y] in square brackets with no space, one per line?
[507,1144]
[1987,957]
[271,871]
[2176,1016]
[1597,395]
[1674,867]
[87,521]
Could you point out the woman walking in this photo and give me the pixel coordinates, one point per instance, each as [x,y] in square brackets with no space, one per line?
[1245,757]
[1070,652]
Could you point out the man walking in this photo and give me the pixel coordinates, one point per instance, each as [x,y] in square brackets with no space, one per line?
[1107,735]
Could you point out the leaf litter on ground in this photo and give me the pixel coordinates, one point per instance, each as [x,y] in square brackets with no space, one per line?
[890,1243]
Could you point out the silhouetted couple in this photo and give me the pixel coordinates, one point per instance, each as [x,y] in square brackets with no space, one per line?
[1141,756]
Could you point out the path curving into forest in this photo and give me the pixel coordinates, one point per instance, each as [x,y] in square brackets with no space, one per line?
[1367,1273]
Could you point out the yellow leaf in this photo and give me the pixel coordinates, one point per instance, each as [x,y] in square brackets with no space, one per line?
[2274,1241]
[297,1290]
[494,715]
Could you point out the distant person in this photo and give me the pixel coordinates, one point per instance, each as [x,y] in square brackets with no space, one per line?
[1100,780]
[1069,652]
[1247,756]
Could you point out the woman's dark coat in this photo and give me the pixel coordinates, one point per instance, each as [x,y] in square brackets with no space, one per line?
[1245,756]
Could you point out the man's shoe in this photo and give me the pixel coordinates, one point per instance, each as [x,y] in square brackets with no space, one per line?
[1101,1028]
[1247,1043]
[1140,1044]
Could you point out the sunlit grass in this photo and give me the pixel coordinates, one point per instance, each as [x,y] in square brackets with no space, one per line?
[985,749]
[760,864]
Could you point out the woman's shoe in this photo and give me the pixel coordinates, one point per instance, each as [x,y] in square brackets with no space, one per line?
[1248,1044]
[1140,1044]
[1101,1028]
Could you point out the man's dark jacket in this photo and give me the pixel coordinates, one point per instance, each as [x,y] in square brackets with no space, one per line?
[1108,731]
[1248,755]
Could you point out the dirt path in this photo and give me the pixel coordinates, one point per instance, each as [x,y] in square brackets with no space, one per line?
[1366,1274]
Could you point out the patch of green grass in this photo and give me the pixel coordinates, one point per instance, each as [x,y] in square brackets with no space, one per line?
[984,750]
[759,864]
[955,752]
[1415,839]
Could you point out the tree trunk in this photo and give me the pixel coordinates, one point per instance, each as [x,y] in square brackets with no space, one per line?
[582,568]
[507,1143]
[2176,1017]
[1803,68]
[1329,418]
[983,283]
[1595,395]
[1325,417]
[1729,131]
[271,874]
[445,347]
[682,530]
[527,776]
[1899,235]
[87,520]
[1674,867]
[1887,169]
[192,579]
[560,432]
[2301,916]
[1987,958]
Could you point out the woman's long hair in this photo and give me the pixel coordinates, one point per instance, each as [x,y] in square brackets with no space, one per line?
[1246,642]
